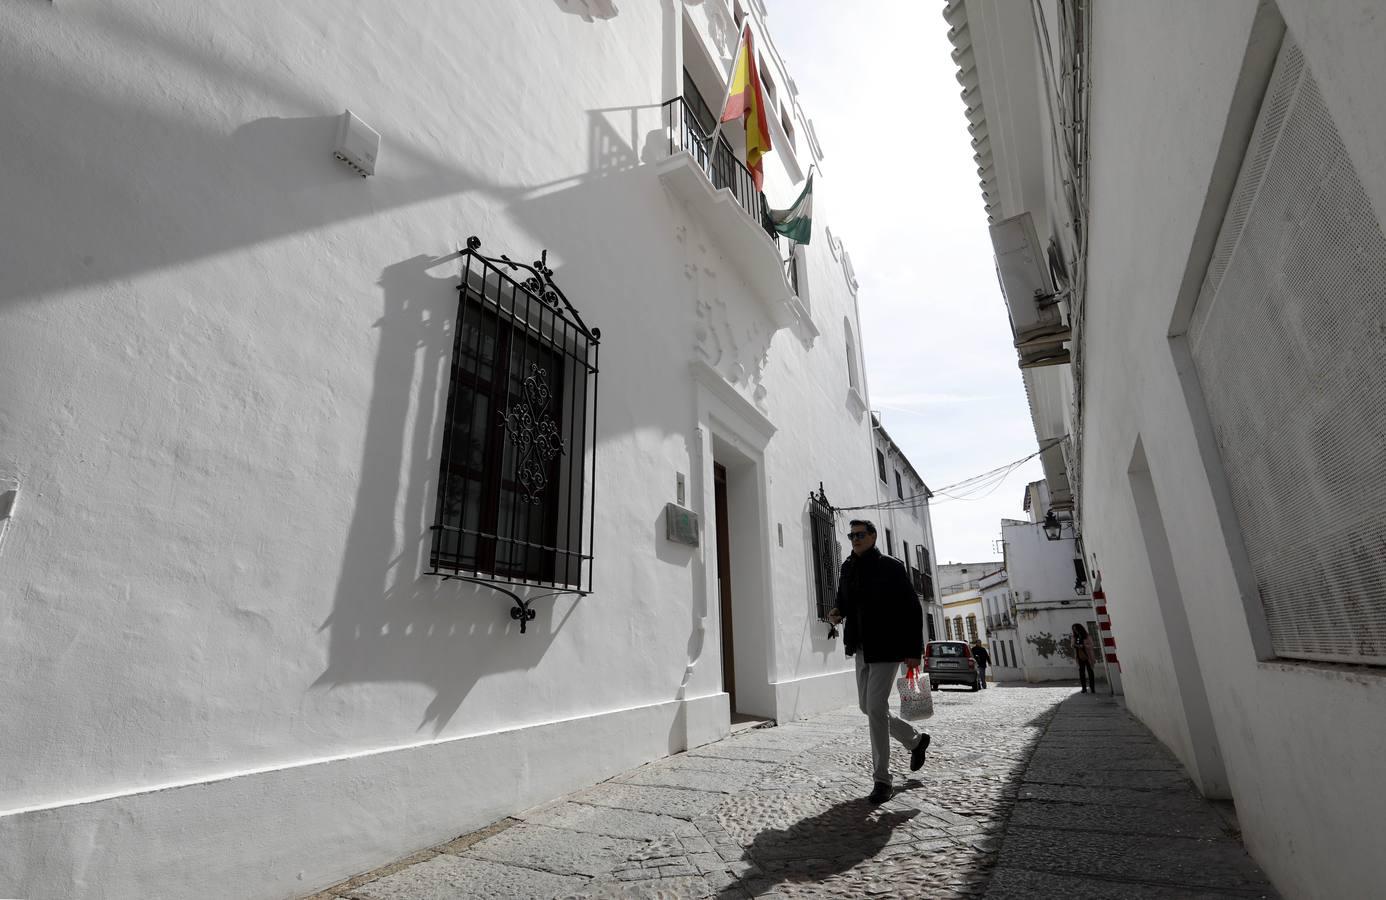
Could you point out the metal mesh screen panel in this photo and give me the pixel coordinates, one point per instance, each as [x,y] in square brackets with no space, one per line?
[1289,340]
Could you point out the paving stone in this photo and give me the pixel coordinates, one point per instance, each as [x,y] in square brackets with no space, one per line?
[1139,780]
[1187,863]
[1184,820]
[1022,884]
[687,887]
[749,767]
[696,845]
[707,862]
[1115,796]
[746,751]
[676,802]
[449,877]
[692,779]
[626,823]
[557,850]
[1110,759]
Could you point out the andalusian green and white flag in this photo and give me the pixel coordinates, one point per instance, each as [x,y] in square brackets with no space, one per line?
[796,223]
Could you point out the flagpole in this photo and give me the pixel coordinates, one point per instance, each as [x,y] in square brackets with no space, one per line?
[726,95]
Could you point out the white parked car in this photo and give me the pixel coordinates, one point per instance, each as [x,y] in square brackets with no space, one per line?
[951,662]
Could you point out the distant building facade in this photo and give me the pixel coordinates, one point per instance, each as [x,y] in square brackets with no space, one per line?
[904,527]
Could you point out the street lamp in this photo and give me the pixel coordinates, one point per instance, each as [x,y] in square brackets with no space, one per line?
[1052,526]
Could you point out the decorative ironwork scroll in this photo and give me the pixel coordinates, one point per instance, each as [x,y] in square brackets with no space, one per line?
[535,433]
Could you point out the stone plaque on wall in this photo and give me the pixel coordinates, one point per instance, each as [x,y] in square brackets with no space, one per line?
[680,525]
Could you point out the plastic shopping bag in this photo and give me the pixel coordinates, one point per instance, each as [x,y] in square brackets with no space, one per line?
[916,697]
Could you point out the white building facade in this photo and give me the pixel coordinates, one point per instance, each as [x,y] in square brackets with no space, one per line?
[1000,626]
[961,598]
[904,527]
[324,528]
[1197,306]
[1047,596]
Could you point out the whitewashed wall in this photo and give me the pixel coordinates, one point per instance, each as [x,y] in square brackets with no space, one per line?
[224,357]
[1298,746]
[1040,570]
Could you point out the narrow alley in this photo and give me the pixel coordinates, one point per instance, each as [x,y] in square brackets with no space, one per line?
[1027,792]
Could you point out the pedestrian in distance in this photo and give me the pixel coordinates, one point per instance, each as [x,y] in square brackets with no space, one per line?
[885,627]
[1083,652]
[983,658]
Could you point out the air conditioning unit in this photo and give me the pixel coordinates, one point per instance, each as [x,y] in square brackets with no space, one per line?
[1022,267]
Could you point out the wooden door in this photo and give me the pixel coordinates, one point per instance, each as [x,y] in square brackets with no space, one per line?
[719,479]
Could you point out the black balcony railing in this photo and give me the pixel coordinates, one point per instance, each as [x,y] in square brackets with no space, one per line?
[684,123]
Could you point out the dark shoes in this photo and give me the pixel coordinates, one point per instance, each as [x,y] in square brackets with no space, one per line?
[917,754]
[879,794]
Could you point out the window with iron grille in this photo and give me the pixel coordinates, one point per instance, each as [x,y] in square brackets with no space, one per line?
[827,553]
[881,467]
[926,578]
[517,462]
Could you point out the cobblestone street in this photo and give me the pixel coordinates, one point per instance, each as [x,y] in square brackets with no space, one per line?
[1102,811]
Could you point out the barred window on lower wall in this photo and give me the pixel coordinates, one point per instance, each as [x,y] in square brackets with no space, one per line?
[1286,338]
[517,456]
[827,553]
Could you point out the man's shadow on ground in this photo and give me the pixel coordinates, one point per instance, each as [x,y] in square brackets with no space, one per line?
[816,848]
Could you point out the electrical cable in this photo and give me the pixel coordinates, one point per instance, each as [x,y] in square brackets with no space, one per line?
[966,489]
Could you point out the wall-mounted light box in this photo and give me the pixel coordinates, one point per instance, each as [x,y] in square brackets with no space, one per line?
[358,144]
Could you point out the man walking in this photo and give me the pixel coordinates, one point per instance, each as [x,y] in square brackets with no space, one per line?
[983,658]
[885,626]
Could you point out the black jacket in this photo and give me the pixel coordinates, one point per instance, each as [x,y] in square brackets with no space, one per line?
[982,656]
[884,619]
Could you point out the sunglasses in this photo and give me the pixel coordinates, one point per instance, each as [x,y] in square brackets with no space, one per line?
[856,535]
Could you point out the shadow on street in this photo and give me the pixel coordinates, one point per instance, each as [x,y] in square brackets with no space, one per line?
[830,843]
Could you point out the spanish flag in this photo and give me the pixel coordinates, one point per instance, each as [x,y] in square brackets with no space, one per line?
[746,101]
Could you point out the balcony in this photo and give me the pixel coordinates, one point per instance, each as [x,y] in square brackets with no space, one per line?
[718,189]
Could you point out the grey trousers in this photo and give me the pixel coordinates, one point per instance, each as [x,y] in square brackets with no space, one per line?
[875,681]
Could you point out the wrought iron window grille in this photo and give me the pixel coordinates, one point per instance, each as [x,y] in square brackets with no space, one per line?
[827,556]
[517,472]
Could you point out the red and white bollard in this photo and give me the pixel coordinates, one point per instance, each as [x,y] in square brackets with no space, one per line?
[1111,665]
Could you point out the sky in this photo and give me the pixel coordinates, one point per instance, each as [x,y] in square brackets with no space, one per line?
[900,188]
